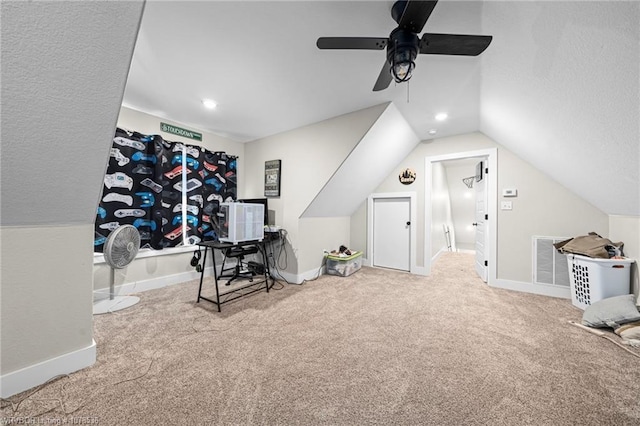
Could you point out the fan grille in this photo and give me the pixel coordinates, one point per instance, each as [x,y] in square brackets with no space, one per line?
[122,246]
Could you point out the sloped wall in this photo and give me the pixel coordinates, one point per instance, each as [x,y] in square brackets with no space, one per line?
[560,88]
[310,156]
[388,140]
[64,67]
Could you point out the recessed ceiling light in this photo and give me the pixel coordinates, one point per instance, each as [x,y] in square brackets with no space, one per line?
[433,131]
[441,116]
[208,103]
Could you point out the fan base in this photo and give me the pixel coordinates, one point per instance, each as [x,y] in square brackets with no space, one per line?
[115,304]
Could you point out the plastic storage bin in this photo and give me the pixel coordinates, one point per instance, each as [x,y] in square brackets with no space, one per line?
[344,266]
[594,279]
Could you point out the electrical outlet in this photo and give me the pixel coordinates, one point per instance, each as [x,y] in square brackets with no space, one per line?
[506,205]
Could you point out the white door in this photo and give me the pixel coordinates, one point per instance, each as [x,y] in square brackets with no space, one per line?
[392,233]
[480,223]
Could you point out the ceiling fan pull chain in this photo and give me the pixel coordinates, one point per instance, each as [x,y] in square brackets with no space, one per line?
[408,91]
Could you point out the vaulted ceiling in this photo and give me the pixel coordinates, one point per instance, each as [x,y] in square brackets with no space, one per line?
[559,85]
[259,62]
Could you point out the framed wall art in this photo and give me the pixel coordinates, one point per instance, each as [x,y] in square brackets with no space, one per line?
[272,171]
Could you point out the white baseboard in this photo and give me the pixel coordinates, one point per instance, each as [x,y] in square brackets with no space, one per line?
[419,270]
[37,374]
[297,278]
[151,284]
[467,251]
[438,254]
[534,288]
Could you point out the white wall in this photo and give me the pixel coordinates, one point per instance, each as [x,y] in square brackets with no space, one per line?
[64,68]
[130,119]
[310,156]
[46,293]
[463,202]
[543,207]
[627,230]
[440,210]
[386,142]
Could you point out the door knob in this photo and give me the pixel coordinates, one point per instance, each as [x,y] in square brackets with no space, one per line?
[408,223]
[474,224]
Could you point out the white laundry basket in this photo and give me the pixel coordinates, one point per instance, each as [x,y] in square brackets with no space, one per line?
[596,279]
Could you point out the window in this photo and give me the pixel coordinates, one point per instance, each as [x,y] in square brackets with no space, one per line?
[167,190]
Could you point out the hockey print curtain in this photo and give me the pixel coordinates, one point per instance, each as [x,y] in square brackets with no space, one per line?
[167,190]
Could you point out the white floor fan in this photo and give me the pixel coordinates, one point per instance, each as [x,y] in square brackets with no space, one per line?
[120,249]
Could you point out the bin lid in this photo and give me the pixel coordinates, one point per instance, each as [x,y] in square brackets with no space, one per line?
[354,254]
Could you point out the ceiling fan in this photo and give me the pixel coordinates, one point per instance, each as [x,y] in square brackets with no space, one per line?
[403,44]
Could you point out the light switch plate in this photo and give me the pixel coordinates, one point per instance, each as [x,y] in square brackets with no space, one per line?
[510,192]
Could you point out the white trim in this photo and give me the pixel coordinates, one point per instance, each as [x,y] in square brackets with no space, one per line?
[542,289]
[151,284]
[468,251]
[98,258]
[438,254]
[298,279]
[37,374]
[492,209]
[420,270]
[413,207]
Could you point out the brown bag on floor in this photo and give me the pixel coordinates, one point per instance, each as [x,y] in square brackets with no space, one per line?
[592,245]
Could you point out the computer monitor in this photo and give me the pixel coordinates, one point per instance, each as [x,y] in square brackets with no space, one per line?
[262,201]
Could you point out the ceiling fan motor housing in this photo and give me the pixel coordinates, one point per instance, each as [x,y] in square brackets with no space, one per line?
[403,44]
[402,49]
[398,9]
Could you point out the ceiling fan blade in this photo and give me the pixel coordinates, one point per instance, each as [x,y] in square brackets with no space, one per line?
[384,79]
[454,44]
[415,15]
[368,43]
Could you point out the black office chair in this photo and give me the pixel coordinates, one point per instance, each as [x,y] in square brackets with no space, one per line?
[241,268]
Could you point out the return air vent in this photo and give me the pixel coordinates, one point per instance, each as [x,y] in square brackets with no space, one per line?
[549,266]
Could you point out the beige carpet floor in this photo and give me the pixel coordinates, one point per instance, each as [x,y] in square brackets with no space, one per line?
[376,348]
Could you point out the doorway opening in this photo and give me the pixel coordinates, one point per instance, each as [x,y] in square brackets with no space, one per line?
[480,234]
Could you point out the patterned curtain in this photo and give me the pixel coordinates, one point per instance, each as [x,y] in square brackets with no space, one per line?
[167,190]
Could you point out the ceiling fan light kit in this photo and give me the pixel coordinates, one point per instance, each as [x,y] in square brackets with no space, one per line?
[403,44]
[402,51]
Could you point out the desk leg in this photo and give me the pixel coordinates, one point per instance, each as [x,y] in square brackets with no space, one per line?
[204,262]
[265,260]
[215,277]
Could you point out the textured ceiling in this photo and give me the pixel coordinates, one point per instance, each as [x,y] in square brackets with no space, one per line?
[260,62]
[561,89]
[558,86]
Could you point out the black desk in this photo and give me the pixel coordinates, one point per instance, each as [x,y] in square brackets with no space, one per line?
[235,292]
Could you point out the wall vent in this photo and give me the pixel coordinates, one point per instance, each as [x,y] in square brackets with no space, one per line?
[549,266]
